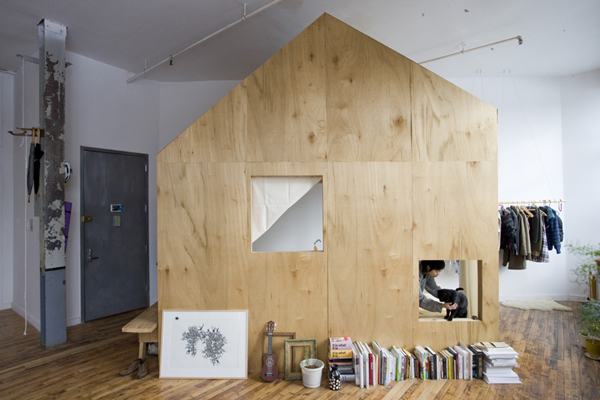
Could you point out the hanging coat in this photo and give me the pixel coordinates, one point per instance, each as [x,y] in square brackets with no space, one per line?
[30,169]
[37,156]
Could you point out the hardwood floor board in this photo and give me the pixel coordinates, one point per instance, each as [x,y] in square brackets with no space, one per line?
[415,389]
[430,389]
[552,365]
[398,390]
[442,392]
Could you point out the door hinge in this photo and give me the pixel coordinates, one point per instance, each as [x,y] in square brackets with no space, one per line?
[145,167]
[145,207]
[146,288]
[146,247]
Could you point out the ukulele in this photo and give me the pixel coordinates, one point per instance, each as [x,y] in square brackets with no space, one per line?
[269,371]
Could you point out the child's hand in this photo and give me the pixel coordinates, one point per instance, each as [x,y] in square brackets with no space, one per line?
[450,306]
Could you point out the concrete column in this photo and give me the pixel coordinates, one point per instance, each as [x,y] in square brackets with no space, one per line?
[51,199]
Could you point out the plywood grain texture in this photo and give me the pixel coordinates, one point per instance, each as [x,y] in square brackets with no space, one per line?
[450,124]
[455,218]
[286,102]
[289,288]
[368,98]
[202,236]
[217,136]
[455,210]
[404,179]
[370,251]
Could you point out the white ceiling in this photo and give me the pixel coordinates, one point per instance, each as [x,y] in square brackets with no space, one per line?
[561,37]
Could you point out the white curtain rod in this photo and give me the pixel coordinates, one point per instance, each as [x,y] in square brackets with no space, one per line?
[532,201]
[463,51]
[170,58]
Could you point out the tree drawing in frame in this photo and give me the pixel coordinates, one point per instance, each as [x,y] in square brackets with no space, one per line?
[198,344]
[214,342]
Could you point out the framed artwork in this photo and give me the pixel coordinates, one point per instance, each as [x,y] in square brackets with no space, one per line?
[310,351]
[204,344]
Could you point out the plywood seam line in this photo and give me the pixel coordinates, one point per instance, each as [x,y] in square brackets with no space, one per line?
[244,17]
[463,51]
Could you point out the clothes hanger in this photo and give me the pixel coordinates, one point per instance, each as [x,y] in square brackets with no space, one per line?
[526,211]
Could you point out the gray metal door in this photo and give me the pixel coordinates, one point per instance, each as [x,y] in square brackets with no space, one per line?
[114,232]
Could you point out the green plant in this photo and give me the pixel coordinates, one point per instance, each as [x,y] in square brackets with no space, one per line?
[587,255]
[589,319]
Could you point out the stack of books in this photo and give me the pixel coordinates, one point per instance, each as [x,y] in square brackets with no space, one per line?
[457,362]
[341,354]
[376,365]
[498,361]
[365,365]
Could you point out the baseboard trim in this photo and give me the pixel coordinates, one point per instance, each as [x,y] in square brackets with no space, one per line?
[577,297]
[555,297]
[30,318]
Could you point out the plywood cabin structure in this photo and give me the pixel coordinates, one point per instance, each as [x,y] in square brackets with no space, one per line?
[409,168]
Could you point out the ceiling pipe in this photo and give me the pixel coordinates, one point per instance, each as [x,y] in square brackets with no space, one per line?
[170,58]
[463,51]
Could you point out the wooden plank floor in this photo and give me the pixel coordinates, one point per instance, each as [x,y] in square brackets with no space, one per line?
[552,366]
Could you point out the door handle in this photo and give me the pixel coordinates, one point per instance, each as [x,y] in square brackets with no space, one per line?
[89,255]
[85,218]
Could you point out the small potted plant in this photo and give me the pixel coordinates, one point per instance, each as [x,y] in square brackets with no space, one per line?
[589,256]
[589,321]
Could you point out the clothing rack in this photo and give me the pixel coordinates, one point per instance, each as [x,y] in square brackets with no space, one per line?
[24,133]
[533,202]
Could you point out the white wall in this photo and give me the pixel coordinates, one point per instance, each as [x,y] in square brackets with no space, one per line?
[580,96]
[6,183]
[102,111]
[26,265]
[530,167]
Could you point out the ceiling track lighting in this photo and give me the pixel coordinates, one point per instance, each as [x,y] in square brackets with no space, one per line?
[244,17]
[519,39]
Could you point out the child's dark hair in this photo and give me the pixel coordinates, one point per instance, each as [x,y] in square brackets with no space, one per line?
[432,264]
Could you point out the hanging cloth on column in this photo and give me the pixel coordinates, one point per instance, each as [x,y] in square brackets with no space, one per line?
[30,166]
[37,156]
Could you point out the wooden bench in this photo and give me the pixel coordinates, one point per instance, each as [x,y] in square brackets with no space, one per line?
[146,326]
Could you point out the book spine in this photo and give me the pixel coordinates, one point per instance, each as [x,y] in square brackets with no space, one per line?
[478,363]
[340,353]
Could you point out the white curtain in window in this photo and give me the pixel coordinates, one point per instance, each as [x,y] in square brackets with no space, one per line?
[272,196]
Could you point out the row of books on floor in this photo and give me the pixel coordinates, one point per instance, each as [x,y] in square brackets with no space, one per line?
[370,365]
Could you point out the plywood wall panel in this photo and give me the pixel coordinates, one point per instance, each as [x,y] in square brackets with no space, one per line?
[455,218]
[369,251]
[368,98]
[289,288]
[202,236]
[450,124]
[404,178]
[454,209]
[286,102]
[217,136]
